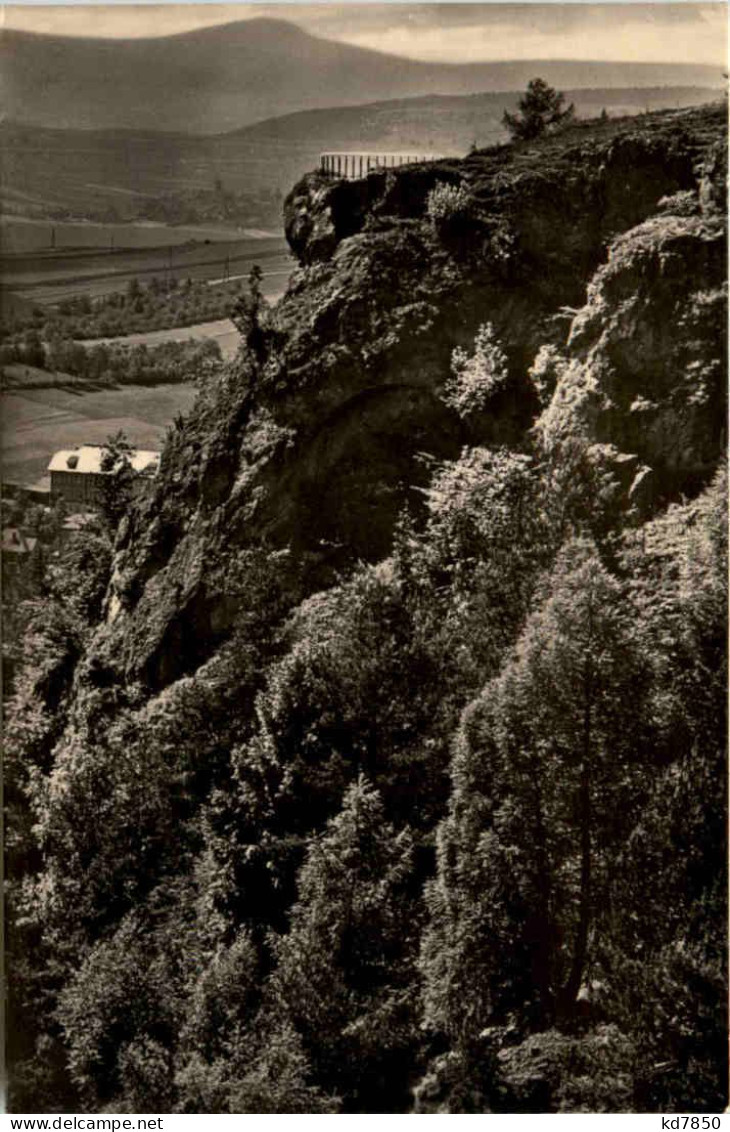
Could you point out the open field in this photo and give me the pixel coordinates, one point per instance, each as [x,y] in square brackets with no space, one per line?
[222,330]
[37,422]
[21,235]
[18,375]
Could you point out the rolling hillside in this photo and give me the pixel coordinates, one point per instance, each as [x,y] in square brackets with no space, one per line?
[112,173]
[225,77]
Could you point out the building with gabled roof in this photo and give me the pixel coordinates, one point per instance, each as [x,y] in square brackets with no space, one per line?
[78,474]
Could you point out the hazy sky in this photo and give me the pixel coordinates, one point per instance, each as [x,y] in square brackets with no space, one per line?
[678,32]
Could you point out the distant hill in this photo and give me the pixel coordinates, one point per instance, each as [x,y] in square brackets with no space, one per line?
[108,173]
[221,78]
[445,124]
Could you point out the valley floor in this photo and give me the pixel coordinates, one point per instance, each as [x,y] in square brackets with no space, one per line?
[51,276]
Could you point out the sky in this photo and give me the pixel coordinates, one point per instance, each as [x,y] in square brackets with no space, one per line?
[448,32]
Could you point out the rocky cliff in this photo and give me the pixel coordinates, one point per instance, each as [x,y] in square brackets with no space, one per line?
[601,253]
[372,766]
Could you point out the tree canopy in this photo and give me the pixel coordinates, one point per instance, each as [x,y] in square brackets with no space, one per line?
[540,112]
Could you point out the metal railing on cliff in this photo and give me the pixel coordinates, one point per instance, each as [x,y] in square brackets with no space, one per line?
[351,166]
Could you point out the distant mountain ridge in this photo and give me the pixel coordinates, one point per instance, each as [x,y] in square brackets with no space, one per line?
[227,77]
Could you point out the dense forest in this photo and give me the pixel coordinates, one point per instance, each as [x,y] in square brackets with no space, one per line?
[379,765]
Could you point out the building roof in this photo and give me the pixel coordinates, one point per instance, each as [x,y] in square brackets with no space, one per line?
[87,459]
[79,520]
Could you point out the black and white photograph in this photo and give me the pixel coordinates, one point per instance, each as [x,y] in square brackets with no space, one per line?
[364,559]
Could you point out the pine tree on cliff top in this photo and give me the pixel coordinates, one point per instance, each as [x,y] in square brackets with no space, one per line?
[541,112]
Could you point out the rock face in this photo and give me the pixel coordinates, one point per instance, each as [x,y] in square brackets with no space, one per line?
[643,368]
[314,441]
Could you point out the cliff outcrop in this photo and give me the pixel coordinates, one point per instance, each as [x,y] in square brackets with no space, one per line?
[393,754]
[605,246]
[643,367]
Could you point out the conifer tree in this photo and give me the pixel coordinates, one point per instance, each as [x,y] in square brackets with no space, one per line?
[345,974]
[118,485]
[668,950]
[541,111]
[547,780]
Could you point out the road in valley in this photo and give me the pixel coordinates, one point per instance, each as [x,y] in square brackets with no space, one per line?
[221,329]
[48,278]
